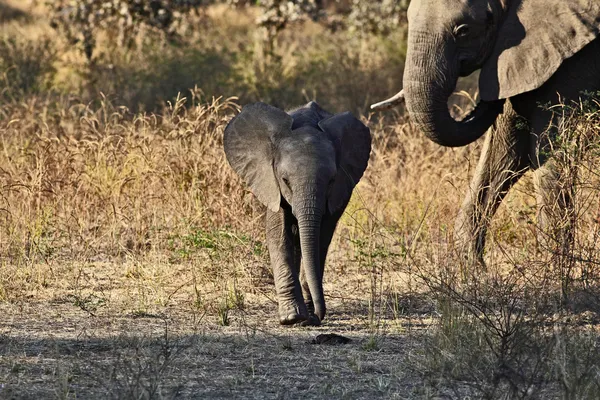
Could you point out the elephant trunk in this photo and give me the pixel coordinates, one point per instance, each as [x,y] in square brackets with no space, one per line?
[430,78]
[309,212]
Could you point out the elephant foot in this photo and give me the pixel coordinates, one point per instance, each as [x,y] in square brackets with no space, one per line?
[473,258]
[470,248]
[292,312]
[312,320]
[470,244]
[291,319]
[310,307]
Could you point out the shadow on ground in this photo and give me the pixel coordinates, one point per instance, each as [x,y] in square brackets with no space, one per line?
[124,357]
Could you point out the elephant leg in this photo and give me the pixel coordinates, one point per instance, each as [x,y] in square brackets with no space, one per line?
[504,159]
[281,242]
[554,180]
[554,189]
[328,226]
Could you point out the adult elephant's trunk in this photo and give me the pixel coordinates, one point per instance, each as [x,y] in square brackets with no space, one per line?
[430,77]
[309,211]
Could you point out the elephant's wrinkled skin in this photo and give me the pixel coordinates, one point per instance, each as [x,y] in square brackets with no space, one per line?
[303,166]
[531,53]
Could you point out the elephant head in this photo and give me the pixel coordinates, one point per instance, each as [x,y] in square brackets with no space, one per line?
[517,44]
[311,161]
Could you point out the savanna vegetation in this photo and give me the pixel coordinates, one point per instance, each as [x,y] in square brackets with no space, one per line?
[132,258]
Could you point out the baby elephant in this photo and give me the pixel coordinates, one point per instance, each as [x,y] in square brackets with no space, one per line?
[303,166]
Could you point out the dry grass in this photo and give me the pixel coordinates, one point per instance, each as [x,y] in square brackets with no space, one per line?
[132,262]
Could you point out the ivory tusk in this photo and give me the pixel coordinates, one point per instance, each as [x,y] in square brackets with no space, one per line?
[398,98]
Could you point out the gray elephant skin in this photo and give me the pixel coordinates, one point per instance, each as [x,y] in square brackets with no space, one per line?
[530,53]
[303,165]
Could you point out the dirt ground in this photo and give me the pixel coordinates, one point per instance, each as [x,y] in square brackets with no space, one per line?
[58,350]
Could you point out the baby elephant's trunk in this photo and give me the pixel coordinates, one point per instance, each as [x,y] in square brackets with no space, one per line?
[309,216]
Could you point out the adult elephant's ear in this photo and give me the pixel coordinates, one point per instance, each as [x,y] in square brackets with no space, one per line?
[353,142]
[534,39]
[248,142]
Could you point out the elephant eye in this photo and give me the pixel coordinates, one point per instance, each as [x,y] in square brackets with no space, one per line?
[287,183]
[462,31]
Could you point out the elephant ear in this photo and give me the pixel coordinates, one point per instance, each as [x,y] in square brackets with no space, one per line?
[534,39]
[353,144]
[248,142]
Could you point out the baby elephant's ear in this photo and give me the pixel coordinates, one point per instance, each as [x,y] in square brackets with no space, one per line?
[248,142]
[353,140]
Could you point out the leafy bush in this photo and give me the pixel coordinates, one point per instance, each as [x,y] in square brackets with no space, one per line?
[379,17]
[81,20]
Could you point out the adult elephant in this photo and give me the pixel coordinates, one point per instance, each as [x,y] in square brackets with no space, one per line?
[530,52]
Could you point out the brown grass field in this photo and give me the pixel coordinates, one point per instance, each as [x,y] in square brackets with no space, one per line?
[132,258]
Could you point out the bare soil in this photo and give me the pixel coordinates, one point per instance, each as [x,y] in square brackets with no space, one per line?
[58,350]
